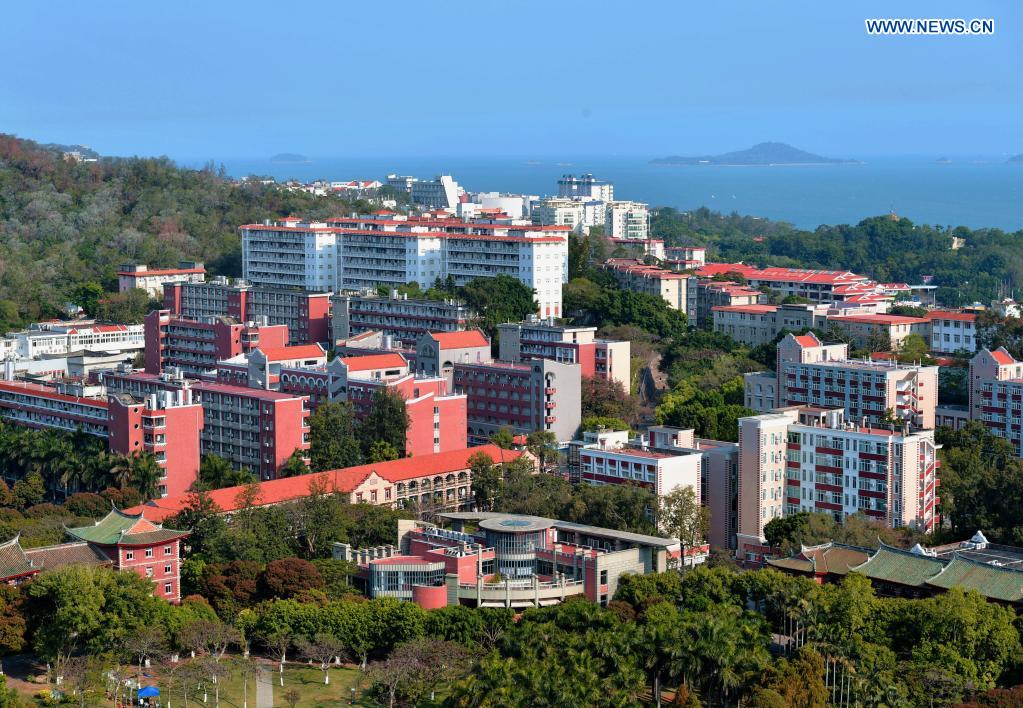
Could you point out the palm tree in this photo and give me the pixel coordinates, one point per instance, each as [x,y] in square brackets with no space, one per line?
[145,474]
[120,471]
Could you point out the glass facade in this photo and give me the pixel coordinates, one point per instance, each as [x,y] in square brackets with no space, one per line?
[516,552]
[397,579]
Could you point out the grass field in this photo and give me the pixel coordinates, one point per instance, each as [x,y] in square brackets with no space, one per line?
[306,680]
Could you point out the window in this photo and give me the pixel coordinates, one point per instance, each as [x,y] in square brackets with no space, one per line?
[149,553]
[129,555]
[168,589]
[603,577]
[168,550]
[168,569]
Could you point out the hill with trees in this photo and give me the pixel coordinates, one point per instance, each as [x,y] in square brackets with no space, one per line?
[65,224]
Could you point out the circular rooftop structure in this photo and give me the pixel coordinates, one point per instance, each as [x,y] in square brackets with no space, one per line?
[515,524]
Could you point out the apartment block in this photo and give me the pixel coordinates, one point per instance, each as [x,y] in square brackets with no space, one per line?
[538,395]
[166,426]
[867,331]
[952,332]
[706,294]
[305,314]
[586,186]
[195,346]
[610,462]
[389,249]
[996,394]
[600,358]
[253,428]
[133,276]
[636,276]
[402,319]
[438,352]
[811,373]
[61,338]
[685,257]
[812,459]
[627,220]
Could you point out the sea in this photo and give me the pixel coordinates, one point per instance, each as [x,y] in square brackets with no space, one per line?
[972,192]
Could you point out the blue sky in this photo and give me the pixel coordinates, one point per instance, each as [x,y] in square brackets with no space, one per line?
[224,79]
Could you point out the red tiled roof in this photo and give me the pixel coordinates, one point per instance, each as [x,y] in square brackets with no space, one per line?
[879,319]
[370,362]
[297,351]
[807,340]
[756,309]
[944,315]
[460,340]
[242,391]
[344,480]
[40,391]
[1003,357]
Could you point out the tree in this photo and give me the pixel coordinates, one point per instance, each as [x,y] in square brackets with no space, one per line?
[681,516]
[486,480]
[203,519]
[29,490]
[292,697]
[216,473]
[148,643]
[606,423]
[87,296]
[323,648]
[332,440]
[605,398]
[500,299]
[294,466]
[382,451]
[145,473]
[12,621]
[543,444]
[288,577]
[209,637]
[387,421]
[417,668]
[503,438]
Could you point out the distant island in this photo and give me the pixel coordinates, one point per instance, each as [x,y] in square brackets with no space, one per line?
[289,158]
[760,154]
[1016,158]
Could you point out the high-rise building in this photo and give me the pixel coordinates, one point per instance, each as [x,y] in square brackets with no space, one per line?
[585,186]
[812,459]
[402,319]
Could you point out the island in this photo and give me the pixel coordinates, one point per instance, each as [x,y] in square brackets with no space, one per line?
[1016,158]
[760,154]
[289,158]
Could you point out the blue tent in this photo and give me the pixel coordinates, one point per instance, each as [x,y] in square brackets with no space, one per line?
[148,692]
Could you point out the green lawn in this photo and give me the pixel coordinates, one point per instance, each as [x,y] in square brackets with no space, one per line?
[307,680]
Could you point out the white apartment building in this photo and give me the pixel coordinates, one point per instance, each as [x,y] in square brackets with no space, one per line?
[951,332]
[48,339]
[442,192]
[290,254]
[586,186]
[812,459]
[388,249]
[556,211]
[627,220]
[133,276]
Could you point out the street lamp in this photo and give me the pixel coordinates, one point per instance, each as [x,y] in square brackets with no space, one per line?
[352,702]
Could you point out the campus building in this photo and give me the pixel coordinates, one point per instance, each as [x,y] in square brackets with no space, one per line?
[390,249]
[438,352]
[536,395]
[63,338]
[809,372]
[429,483]
[636,276]
[607,459]
[812,459]
[996,394]
[540,561]
[627,220]
[122,541]
[134,276]
[195,346]
[167,426]
[542,339]
[253,428]
[706,294]
[305,314]
[585,186]
[402,319]
[952,332]
[814,285]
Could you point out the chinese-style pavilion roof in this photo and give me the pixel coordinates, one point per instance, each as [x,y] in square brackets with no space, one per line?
[995,582]
[13,561]
[895,565]
[119,528]
[834,558]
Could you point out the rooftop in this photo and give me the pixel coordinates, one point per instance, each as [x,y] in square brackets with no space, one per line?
[119,527]
[370,362]
[460,340]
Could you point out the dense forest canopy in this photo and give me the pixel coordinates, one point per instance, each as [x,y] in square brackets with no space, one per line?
[985,263]
[64,223]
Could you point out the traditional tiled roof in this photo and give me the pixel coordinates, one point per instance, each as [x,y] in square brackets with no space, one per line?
[369,362]
[13,561]
[901,567]
[991,581]
[75,553]
[834,558]
[119,528]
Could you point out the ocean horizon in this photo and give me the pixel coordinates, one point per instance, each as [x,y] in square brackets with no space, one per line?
[984,192]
